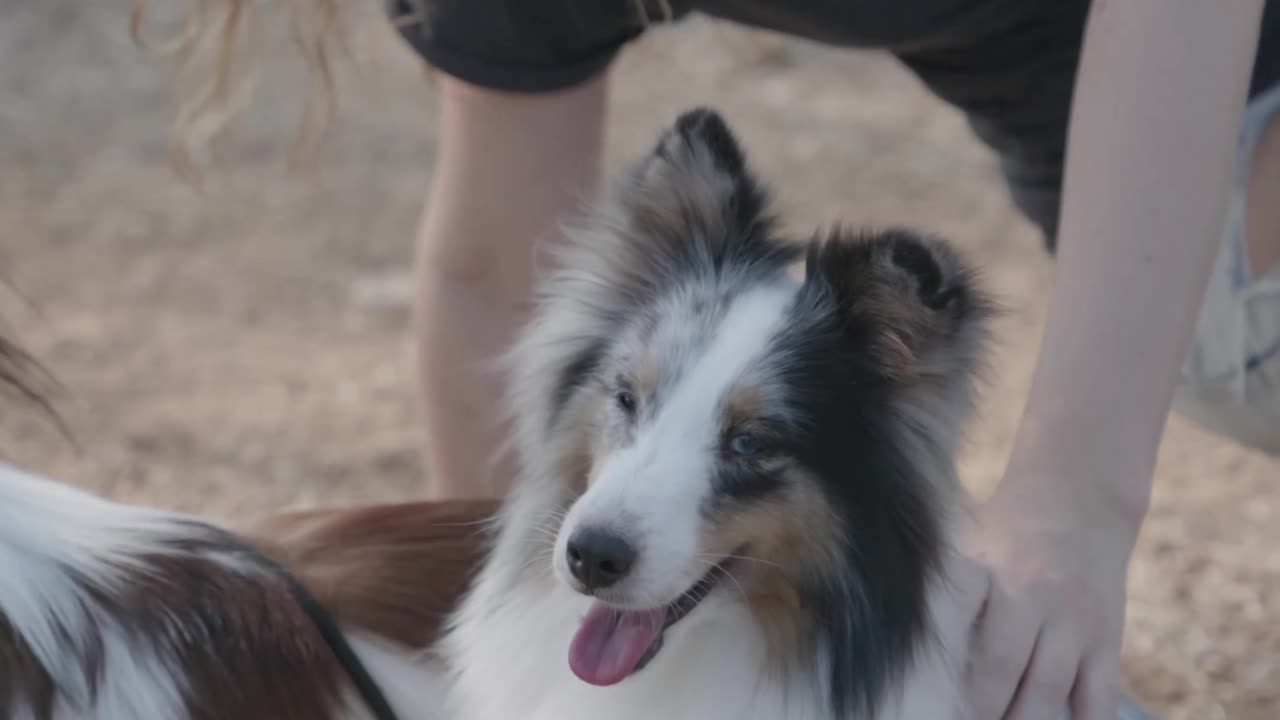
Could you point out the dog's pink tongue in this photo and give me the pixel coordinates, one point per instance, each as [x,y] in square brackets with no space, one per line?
[610,642]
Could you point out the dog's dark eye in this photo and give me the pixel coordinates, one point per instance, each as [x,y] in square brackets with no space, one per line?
[744,445]
[626,401]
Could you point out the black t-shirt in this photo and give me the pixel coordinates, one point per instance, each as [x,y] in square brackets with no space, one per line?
[1009,65]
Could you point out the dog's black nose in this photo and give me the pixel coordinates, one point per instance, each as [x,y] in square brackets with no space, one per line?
[599,559]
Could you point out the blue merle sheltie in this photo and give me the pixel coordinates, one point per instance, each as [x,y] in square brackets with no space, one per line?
[737,499]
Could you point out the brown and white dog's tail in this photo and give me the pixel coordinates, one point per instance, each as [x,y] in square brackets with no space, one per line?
[109,610]
[115,611]
[394,570]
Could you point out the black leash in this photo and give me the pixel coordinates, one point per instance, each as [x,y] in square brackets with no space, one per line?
[328,627]
[320,617]
[337,642]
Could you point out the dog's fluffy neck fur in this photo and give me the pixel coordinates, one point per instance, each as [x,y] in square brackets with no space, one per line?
[692,210]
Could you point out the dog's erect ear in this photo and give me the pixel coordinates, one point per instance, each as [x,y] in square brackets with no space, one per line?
[702,130]
[910,297]
[688,207]
[695,198]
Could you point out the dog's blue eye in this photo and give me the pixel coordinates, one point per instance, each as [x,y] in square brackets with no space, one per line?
[744,445]
[626,401]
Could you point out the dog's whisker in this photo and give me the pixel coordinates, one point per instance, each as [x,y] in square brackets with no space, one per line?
[545,531]
[751,558]
[741,590]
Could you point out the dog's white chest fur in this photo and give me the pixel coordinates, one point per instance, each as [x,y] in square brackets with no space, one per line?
[510,660]
[515,665]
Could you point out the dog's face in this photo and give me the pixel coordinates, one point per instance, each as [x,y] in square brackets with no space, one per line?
[690,438]
[724,428]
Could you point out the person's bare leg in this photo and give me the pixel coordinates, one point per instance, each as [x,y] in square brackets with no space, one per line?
[509,167]
[1262,199]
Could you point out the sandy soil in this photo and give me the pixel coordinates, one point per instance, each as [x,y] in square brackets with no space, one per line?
[248,347]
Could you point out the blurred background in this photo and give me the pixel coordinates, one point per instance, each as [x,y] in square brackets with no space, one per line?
[246,346]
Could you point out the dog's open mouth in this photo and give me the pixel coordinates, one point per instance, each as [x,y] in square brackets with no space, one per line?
[612,643]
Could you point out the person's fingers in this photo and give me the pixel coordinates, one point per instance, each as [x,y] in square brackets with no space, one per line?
[1096,695]
[1002,646]
[1046,687]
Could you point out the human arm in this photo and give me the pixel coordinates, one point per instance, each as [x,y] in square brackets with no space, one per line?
[1151,144]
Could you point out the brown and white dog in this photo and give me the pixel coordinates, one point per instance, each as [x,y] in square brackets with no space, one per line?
[118,612]
[127,613]
[736,501]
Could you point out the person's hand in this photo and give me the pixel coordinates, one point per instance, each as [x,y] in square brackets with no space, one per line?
[1048,635]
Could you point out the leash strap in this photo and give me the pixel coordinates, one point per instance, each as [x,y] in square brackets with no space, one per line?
[337,642]
[324,622]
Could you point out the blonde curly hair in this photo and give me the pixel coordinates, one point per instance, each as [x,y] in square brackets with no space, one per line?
[214,58]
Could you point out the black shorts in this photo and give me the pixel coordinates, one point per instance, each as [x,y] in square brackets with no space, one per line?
[1009,65]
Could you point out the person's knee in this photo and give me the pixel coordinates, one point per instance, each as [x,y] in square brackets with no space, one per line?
[489,260]
[483,268]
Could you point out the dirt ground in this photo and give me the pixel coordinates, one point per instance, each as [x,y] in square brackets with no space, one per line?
[247,347]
